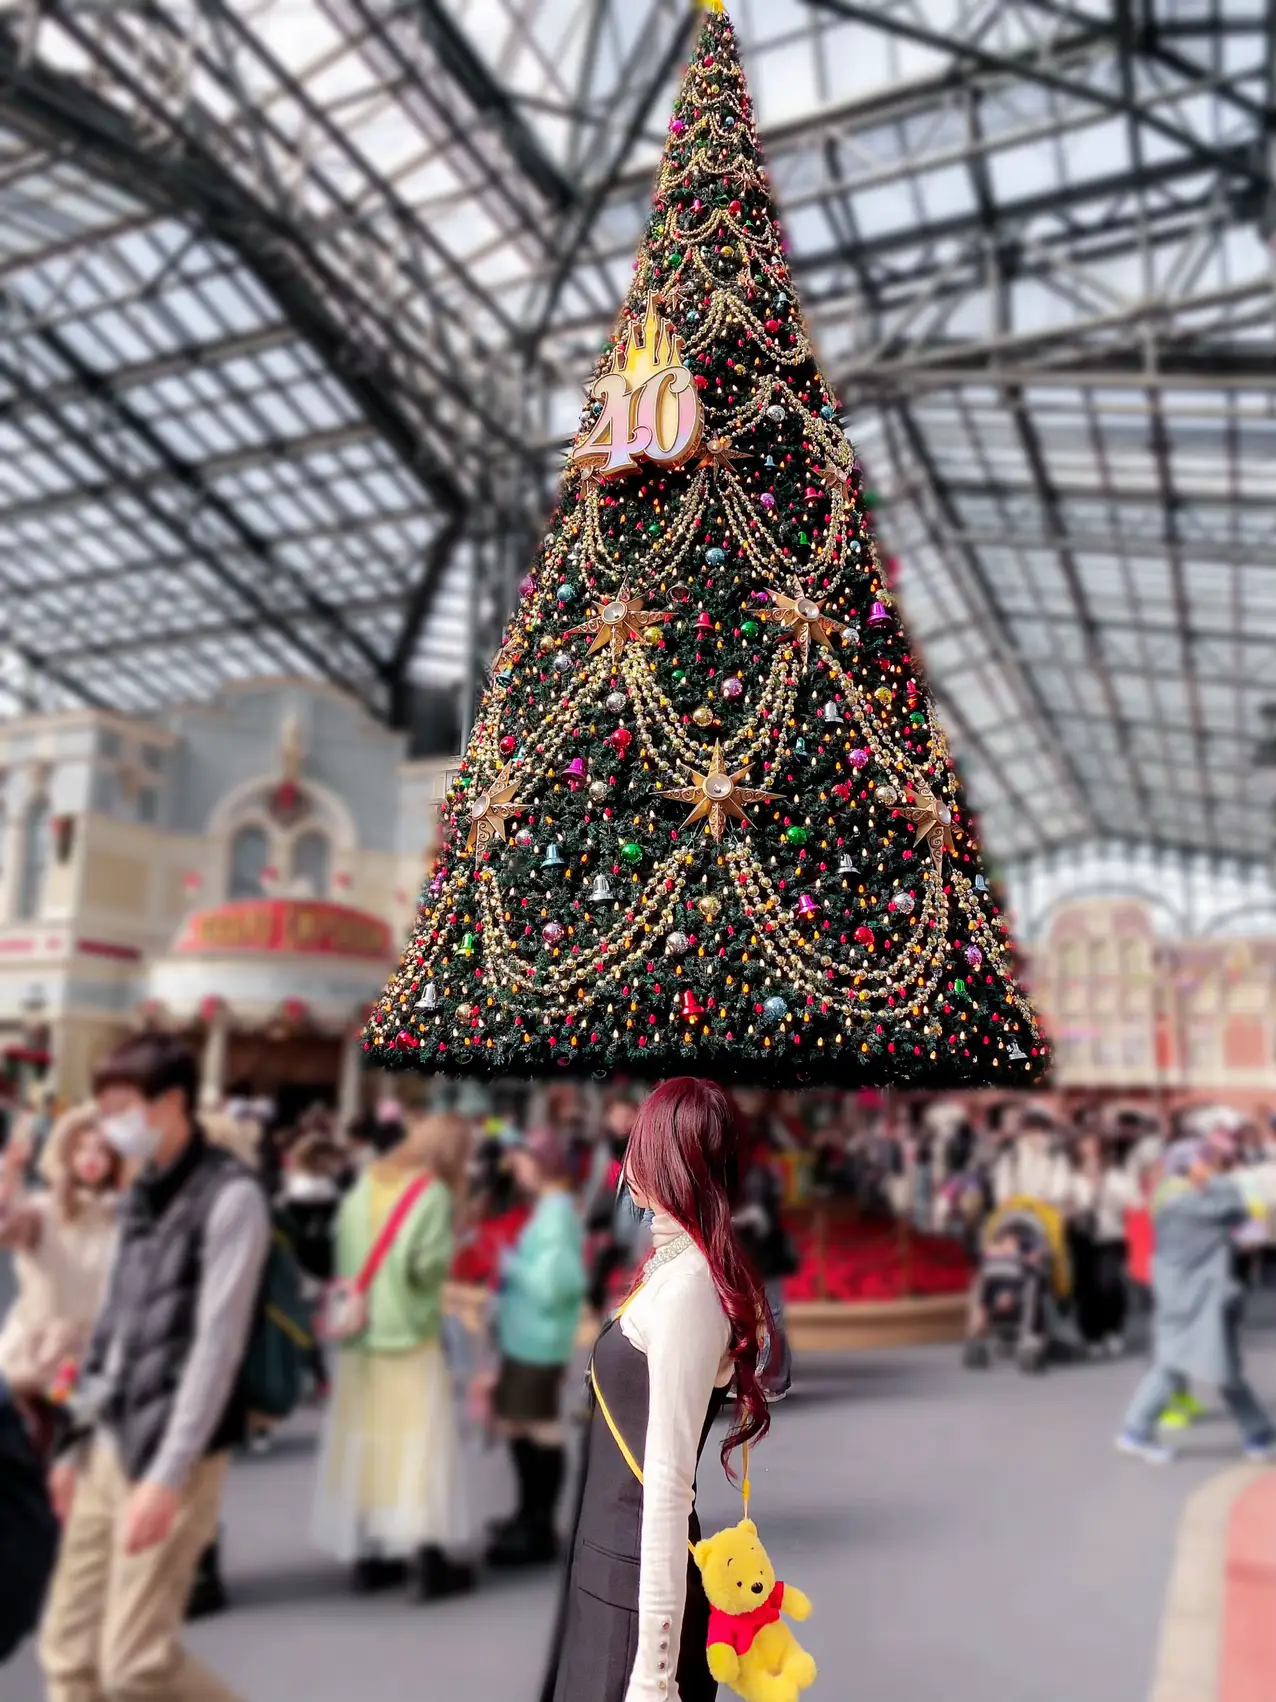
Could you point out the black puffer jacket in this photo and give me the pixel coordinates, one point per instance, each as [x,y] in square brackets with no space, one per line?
[153,1302]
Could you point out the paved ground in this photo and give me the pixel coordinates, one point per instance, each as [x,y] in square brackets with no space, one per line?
[963,1537]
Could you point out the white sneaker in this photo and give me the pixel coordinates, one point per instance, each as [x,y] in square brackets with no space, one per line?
[1151,1453]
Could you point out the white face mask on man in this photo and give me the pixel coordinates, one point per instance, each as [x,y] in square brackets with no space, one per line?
[130,1134]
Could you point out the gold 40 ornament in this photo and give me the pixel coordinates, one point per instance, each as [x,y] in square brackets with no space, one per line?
[651,408]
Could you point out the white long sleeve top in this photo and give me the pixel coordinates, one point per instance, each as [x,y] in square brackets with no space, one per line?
[677,1321]
[1107,1197]
[1032,1169]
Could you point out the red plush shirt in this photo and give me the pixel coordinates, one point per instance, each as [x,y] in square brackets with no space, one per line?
[738,1630]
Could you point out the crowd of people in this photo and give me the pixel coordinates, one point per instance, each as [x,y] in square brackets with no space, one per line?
[145,1232]
[140,1229]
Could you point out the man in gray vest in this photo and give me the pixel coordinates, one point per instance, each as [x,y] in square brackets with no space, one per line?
[141,1494]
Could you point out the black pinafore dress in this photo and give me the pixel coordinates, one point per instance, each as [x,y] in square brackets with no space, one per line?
[596,1635]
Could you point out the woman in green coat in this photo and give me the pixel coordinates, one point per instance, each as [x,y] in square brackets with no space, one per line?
[538,1310]
[391,1488]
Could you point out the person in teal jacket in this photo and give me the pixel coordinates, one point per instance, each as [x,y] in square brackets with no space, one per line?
[391,1488]
[537,1314]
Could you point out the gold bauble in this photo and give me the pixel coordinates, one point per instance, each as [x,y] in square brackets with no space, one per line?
[883,694]
[703,717]
[709,907]
[653,636]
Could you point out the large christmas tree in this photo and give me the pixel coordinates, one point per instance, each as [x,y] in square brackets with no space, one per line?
[707,820]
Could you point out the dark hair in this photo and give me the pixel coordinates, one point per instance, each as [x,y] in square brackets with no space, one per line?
[154,1064]
[686,1154]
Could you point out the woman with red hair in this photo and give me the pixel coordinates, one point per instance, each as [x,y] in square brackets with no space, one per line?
[633,1622]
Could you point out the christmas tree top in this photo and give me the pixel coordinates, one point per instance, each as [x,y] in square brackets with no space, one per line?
[707,821]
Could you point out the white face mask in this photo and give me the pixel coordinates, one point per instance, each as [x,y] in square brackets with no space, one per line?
[130,1134]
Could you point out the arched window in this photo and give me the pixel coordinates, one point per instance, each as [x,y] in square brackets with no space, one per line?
[1134,957]
[1103,958]
[1072,957]
[34,855]
[249,856]
[312,863]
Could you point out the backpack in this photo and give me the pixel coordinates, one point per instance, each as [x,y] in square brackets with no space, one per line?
[281,1341]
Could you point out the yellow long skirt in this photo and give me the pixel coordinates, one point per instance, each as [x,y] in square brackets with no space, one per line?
[391,1476]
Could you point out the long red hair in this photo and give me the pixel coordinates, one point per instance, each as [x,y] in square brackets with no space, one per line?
[687,1154]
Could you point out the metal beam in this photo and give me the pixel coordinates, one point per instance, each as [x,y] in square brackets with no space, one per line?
[1209,368]
[438,559]
[191,478]
[579,226]
[492,103]
[91,445]
[188,180]
[1035,66]
[984,594]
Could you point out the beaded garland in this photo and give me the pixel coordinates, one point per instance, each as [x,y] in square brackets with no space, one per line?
[822,916]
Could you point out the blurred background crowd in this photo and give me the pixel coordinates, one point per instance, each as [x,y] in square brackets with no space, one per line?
[853,1203]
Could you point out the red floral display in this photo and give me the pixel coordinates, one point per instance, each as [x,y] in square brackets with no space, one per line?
[875,1261]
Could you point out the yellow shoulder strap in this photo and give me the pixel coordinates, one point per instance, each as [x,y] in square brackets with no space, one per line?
[626,1452]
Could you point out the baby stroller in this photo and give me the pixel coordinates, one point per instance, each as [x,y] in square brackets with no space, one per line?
[1023,1279]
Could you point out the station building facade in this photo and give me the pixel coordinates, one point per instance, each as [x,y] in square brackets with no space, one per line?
[241,871]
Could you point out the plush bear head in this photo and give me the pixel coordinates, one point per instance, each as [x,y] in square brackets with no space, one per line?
[738,1576]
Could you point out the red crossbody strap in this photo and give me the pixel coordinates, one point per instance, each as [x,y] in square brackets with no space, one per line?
[389,1232]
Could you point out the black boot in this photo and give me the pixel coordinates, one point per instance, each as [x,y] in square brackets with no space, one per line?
[521,1451]
[534,1542]
[553,1469]
[441,1577]
[208,1593]
[372,1574]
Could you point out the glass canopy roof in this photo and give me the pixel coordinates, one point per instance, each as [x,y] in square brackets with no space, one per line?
[298,295]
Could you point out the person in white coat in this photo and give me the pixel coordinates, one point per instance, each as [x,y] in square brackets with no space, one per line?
[1034,1165]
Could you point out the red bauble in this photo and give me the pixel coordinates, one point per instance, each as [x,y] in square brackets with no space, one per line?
[509,744]
[864,935]
[621,740]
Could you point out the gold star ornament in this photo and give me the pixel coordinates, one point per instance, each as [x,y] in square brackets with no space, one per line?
[718,796]
[488,811]
[617,622]
[933,820]
[720,454]
[806,620]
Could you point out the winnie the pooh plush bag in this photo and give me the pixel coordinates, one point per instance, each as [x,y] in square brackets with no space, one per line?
[751,1650]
